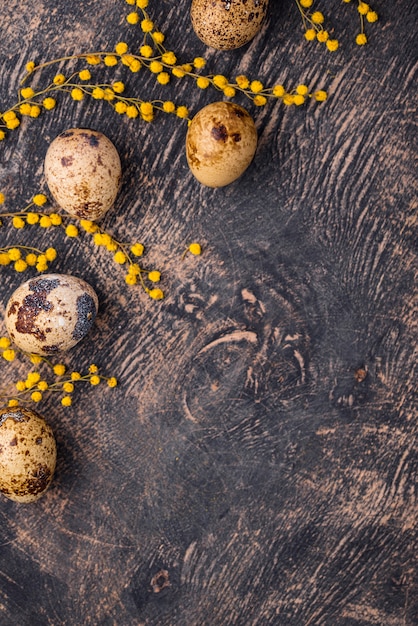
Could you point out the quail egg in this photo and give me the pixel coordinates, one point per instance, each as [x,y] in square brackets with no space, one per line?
[50,313]
[220,144]
[27,454]
[227,24]
[83,172]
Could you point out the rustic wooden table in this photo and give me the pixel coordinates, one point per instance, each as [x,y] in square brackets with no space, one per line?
[256,464]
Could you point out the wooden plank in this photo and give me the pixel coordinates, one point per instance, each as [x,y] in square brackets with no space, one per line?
[257,462]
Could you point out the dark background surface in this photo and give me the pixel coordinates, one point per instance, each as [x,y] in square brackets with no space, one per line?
[239,453]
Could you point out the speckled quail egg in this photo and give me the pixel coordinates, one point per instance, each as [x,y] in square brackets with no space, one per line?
[50,313]
[27,454]
[83,172]
[220,144]
[227,24]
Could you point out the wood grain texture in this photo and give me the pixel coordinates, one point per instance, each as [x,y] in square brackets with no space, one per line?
[244,471]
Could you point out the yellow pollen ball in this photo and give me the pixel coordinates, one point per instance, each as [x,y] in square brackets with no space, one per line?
[132,18]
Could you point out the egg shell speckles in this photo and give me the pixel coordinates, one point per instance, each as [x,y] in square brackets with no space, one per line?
[220,144]
[50,313]
[227,24]
[28,454]
[83,172]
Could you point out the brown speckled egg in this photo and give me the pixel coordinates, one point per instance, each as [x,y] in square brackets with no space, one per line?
[50,313]
[83,172]
[227,24]
[220,144]
[27,454]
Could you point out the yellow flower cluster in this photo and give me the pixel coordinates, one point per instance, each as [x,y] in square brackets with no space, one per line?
[313,25]
[38,384]
[367,14]
[159,61]
[23,257]
[124,254]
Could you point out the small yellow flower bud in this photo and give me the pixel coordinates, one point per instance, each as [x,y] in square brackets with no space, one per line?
[31,259]
[169,58]
[332,45]
[118,87]
[146,51]
[14,254]
[320,96]
[84,75]
[155,67]
[317,17]
[361,39]
[20,265]
[202,82]
[298,99]
[18,222]
[56,219]
[49,103]
[169,107]
[119,257]
[71,230]
[137,249]
[98,93]
[27,92]
[132,112]
[32,218]
[130,279]
[4,342]
[9,354]
[92,59]
[260,101]
[163,78]
[158,37]
[120,107]
[322,36]
[371,16]
[121,47]
[199,63]
[220,81]
[154,276]
[310,34]
[51,254]
[77,94]
[147,25]
[132,18]
[156,294]
[195,248]
[229,92]
[110,60]
[363,8]
[278,91]
[182,112]
[40,199]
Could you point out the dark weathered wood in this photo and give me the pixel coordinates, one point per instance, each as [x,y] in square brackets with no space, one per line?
[257,463]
